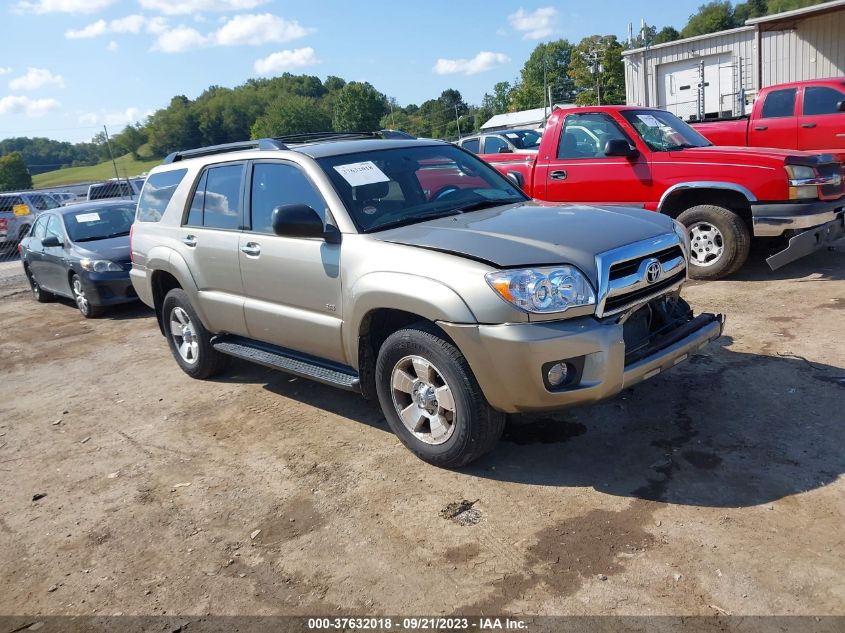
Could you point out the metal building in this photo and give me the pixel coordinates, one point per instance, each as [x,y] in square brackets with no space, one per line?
[718,74]
[533,119]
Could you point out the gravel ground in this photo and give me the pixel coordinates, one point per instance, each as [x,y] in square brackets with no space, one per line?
[714,489]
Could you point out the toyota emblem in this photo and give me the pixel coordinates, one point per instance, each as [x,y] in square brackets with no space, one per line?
[653,271]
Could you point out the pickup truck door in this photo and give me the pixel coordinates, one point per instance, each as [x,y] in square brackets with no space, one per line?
[821,124]
[581,172]
[291,285]
[774,123]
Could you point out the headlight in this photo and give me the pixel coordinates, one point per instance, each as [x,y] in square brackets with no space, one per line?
[543,290]
[802,182]
[682,232]
[100,265]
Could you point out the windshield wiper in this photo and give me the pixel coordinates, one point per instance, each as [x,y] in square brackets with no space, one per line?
[672,148]
[411,219]
[485,204]
[102,237]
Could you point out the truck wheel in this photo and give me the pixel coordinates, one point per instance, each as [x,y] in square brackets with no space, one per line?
[432,401]
[719,241]
[190,342]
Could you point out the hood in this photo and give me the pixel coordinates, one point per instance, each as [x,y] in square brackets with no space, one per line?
[115,249]
[534,234]
[749,155]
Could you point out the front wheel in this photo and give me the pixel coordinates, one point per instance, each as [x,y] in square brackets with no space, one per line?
[719,241]
[83,302]
[431,399]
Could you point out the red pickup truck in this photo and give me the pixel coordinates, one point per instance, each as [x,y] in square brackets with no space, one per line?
[808,115]
[723,195]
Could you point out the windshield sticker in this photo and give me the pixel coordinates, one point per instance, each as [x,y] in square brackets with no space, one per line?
[512,135]
[359,174]
[649,120]
[87,217]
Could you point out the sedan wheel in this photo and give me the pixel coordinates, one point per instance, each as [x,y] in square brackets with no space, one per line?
[39,294]
[88,310]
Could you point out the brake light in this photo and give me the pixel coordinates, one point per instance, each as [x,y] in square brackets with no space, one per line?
[131,254]
[4,224]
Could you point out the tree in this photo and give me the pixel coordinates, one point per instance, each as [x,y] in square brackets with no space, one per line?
[13,173]
[552,59]
[292,115]
[359,108]
[174,128]
[666,34]
[500,100]
[711,17]
[130,139]
[598,71]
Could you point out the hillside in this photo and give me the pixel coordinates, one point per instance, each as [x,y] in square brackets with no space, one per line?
[126,167]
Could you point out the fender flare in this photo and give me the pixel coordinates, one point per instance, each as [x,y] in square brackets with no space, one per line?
[704,184]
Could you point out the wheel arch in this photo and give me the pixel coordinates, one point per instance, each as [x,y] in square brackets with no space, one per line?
[682,196]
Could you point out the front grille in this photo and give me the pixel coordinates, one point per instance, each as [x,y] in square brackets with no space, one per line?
[826,171]
[613,304]
[623,269]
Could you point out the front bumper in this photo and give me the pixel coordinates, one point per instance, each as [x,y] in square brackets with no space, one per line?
[774,219]
[507,360]
[108,288]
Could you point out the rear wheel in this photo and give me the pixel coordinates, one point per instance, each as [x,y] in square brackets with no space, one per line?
[431,399]
[719,241]
[190,342]
[39,294]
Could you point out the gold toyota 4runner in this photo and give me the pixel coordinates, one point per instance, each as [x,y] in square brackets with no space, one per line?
[412,272]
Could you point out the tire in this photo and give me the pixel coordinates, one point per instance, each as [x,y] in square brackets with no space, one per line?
[39,294]
[715,229]
[83,303]
[472,426]
[198,358]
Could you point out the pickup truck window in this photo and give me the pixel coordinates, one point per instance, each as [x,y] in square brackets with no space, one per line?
[276,184]
[585,135]
[471,145]
[663,131]
[392,187]
[779,103]
[493,144]
[822,100]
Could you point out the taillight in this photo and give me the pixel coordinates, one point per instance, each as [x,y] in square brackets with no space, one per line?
[131,254]
[4,224]
[20,248]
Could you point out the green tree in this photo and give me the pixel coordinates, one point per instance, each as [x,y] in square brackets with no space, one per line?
[598,71]
[174,128]
[13,173]
[292,115]
[359,107]
[129,140]
[711,17]
[500,100]
[666,34]
[552,59]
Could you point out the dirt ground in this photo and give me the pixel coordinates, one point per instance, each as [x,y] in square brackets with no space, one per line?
[717,488]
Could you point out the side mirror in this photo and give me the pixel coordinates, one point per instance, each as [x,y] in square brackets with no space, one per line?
[505,150]
[841,106]
[300,220]
[516,178]
[620,147]
[51,241]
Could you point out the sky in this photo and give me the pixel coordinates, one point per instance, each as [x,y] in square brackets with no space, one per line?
[67,67]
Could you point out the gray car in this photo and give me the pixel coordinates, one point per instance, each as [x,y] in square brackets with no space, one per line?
[17,214]
[412,272]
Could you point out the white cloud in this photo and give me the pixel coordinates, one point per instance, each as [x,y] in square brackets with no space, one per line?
[285,60]
[62,6]
[535,25]
[30,107]
[241,30]
[130,24]
[179,40]
[36,78]
[5,70]
[104,117]
[482,62]
[258,29]
[112,46]
[185,7]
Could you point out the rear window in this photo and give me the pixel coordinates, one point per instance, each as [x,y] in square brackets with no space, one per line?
[156,194]
[110,190]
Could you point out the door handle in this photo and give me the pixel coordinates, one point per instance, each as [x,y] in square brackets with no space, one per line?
[558,174]
[252,249]
[761,128]
[808,125]
[190,241]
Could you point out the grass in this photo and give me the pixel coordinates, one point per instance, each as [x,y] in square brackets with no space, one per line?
[126,167]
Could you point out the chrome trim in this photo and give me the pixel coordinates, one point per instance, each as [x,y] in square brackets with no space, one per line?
[818,181]
[638,281]
[775,226]
[631,283]
[705,184]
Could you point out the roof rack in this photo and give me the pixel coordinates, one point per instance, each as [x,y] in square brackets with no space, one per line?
[309,137]
[260,144]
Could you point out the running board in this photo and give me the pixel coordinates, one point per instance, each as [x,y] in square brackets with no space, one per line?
[288,361]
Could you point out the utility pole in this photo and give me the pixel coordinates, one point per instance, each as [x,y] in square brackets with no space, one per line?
[458,121]
[545,90]
[108,146]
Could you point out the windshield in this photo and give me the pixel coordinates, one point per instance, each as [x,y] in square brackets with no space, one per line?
[523,139]
[392,187]
[110,190]
[663,131]
[99,223]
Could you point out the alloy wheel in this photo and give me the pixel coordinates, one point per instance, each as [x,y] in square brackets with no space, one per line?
[184,335]
[423,399]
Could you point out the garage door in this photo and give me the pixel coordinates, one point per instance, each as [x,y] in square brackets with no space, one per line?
[677,86]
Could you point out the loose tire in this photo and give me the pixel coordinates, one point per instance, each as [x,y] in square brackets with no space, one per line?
[189,341]
[432,401]
[719,240]
[38,293]
[88,310]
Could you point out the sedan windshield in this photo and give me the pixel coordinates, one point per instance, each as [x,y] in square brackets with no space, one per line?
[663,131]
[99,223]
[392,187]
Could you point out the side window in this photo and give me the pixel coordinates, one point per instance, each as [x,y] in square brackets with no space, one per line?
[492,144]
[54,228]
[822,100]
[40,228]
[585,135]
[779,103]
[38,201]
[51,203]
[156,194]
[217,200]
[471,145]
[275,184]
